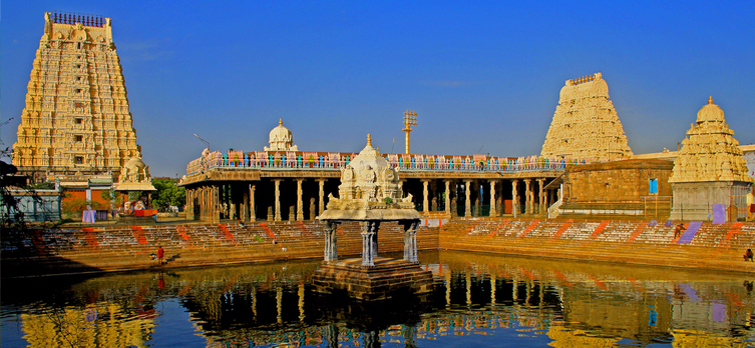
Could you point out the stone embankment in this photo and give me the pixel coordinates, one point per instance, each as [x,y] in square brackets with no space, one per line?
[701,246]
[124,248]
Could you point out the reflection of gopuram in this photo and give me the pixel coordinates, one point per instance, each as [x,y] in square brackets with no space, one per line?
[371,200]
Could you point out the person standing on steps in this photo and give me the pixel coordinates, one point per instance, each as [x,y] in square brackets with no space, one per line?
[160,255]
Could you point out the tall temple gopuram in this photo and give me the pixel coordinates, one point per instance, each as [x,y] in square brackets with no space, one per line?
[585,124]
[76,119]
[709,169]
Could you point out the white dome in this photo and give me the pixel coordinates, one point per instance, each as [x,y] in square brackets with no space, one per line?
[281,139]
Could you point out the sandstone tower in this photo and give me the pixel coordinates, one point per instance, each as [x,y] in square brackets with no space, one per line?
[76,118]
[585,124]
[709,169]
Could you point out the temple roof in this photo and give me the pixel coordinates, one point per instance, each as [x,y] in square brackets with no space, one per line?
[710,152]
[369,190]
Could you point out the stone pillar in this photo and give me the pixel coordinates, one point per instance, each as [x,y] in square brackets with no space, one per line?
[514,198]
[448,197]
[189,206]
[468,202]
[331,249]
[527,196]
[216,203]
[401,183]
[321,202]
[541,196]
[299,201]
[244,206]
[425,194]
[252,207]
[492,199]
[410,240]
[369,241]
[277,200]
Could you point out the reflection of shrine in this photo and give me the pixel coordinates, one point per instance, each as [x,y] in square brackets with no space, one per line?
[564,304]
[370,194]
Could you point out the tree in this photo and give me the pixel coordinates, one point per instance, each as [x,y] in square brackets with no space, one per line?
[167,194]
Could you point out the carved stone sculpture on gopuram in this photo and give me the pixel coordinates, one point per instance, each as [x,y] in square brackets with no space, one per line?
[77,114]
[585,124]
[710,152]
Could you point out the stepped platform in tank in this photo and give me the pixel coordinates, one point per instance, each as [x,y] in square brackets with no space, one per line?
[387,277]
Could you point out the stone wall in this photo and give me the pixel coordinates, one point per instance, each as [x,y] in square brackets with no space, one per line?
[716,247]
[121,248]
[620,189]
[103,249]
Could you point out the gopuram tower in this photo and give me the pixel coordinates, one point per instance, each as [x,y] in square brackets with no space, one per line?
[585,124]
[710,169]
[76,118]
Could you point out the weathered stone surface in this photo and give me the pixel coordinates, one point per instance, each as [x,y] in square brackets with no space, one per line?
[710,169]
[377,282]
[629,189]
[369,190]
[585,124]
[77,114]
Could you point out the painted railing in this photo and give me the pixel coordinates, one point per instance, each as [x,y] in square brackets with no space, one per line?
[290,160]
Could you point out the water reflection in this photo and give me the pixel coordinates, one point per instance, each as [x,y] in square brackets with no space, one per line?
[480,300]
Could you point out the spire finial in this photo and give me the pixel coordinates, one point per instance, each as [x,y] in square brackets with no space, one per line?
[280,121]
[369,140]
[710,100]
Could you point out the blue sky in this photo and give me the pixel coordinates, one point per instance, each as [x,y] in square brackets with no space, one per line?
[480,75]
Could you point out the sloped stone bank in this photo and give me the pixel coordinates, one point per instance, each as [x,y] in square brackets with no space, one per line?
[712,247]
[124,248]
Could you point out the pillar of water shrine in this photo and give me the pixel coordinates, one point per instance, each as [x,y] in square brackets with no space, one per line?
[369,194]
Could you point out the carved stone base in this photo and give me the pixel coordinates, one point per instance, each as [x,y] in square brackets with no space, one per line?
[387,277]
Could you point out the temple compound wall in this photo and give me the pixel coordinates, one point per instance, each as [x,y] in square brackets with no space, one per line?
[76,118]
[585,124]
[709,170]
[629,189]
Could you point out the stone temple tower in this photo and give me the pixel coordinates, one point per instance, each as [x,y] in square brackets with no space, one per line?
[710,169]
[585,124]
[76,118]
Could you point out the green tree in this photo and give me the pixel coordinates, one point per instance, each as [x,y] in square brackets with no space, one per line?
[167,194]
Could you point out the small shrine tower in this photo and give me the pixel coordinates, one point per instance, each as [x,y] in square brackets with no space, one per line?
[710,169]
[370,194]
[585,124]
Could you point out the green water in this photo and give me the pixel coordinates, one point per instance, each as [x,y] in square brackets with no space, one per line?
[478,300]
